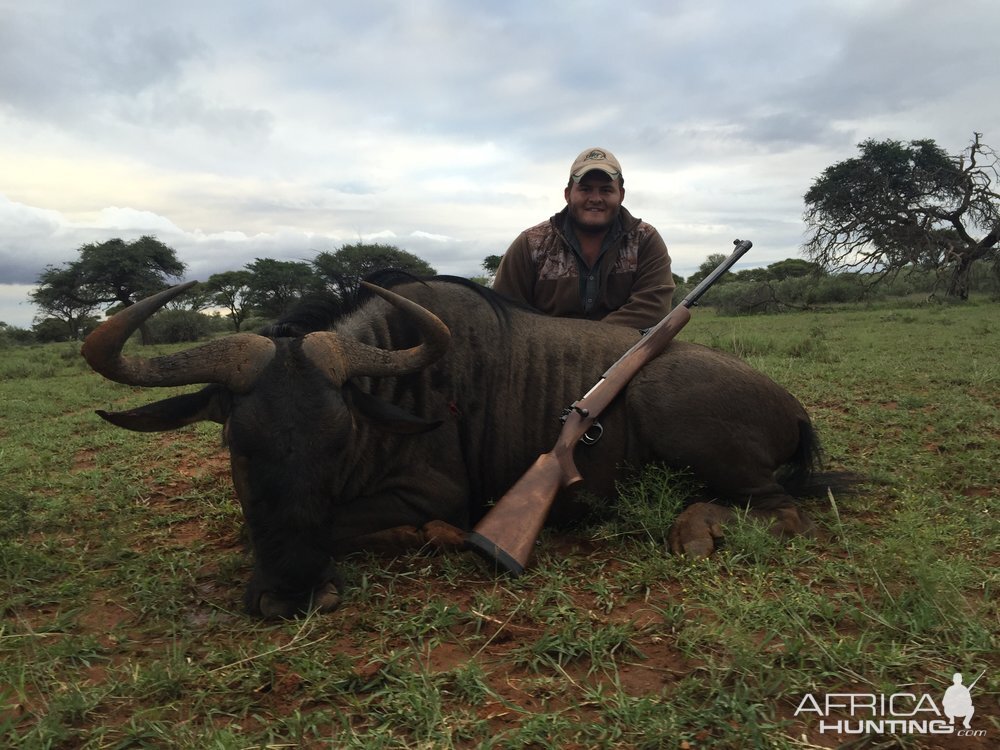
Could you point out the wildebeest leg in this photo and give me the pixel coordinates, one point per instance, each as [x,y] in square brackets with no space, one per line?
[697,529]
[732,427]
[738,463]
[743,476]
[403,515]
[435,535]
[785,514]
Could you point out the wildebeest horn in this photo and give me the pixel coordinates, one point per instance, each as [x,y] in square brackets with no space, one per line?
[234,361]
[345,357]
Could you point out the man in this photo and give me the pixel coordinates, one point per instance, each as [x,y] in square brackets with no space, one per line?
[593,259]
[957,701]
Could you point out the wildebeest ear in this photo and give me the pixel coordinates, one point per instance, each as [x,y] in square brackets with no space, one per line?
[384,415]
[210,404]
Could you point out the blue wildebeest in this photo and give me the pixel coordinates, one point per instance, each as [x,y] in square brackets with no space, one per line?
[399,422]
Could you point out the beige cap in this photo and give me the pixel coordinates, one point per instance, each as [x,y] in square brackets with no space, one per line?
[595,158]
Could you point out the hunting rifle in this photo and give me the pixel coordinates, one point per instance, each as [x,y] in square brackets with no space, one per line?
[506,534]
[975,681]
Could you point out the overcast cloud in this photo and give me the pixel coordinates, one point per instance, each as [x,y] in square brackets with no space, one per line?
[240,129]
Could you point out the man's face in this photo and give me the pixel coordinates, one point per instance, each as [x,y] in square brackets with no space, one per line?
[594,201]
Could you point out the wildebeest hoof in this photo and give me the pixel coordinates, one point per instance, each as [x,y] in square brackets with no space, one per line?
[790,521]
[697,528]
[326,598]
[270,606]
[441,535]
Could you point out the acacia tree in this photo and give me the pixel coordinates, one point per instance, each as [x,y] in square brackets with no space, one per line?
[276,284]
[343,269]
[56,296]
[124,272]
[491,264]
[898,206]
[232,290]
[707,266]
[113,272]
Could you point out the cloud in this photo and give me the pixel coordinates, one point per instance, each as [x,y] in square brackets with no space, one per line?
[236,130]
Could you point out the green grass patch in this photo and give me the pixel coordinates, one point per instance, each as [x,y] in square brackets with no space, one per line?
[122,567]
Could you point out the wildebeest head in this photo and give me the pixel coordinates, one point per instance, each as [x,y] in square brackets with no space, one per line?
[289,411]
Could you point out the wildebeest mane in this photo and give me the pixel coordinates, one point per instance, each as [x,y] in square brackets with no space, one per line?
[314,312]
[390,277]
[320,311]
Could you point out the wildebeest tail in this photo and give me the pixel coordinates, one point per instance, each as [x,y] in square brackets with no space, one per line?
[803,475]
[805,462]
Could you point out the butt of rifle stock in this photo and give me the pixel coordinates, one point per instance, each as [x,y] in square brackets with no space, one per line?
[490,551]
[505,537]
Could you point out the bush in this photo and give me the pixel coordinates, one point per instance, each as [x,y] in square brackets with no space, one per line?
[255,323]
[794,285]
[839,288]
[791,293]
[985,278]
[742,298]
[176,326]
[52,330]
[14,336]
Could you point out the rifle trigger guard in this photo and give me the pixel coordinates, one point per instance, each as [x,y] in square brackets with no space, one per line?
[593,434]
[598,429]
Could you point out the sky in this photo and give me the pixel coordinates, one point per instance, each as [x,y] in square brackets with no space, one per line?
[242,129]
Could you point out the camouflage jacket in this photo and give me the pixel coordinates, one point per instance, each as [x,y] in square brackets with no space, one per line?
[630,285]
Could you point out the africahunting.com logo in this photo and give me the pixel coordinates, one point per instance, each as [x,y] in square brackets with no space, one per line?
[896,713]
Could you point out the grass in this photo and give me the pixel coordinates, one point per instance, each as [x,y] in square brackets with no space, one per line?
[122,565]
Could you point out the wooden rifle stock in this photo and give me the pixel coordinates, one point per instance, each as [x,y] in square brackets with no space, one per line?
[506,534]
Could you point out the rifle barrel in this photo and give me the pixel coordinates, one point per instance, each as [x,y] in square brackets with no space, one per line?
[976,680]
[742,246]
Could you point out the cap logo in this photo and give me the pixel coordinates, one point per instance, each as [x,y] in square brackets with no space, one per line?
[595,159]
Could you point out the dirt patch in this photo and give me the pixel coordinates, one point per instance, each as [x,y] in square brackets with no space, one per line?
[84,460]
[103,616]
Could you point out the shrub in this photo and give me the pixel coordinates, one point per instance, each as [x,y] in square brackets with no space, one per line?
[176,326]
[12,336]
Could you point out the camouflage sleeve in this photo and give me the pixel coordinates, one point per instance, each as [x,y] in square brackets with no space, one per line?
[516,275]
[652,290]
